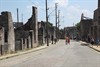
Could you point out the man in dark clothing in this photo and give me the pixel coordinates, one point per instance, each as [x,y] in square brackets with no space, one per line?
[52,38]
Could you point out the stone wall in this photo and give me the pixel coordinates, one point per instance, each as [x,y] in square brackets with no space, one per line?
[26,36]
[1,35]
[85,28]
[6,22]
[11,36]
[96,22]
[18,36]
[35,26]
[1,40]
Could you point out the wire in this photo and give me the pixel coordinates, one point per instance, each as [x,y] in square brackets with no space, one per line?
[32,2]
[36,4]
[51,12]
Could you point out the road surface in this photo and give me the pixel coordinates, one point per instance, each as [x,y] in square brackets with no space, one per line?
[57,55]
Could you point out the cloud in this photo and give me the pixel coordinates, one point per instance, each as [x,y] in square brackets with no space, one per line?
[76,11]
[87,13]
[35,3]
[40,10]
[73,14]
[61,3]
[14,17]
[29,8]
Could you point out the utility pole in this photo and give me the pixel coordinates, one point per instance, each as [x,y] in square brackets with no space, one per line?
[17,17]
[56,18]
[22,18]
[58,23]
[47,24]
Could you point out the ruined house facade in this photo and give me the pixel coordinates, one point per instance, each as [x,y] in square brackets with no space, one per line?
[86,24]
[42,32]
[26,36]
[7,30]
[18,36]
[91,27]
[96,23]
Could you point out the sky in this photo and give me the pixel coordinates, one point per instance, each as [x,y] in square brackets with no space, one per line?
[70,10]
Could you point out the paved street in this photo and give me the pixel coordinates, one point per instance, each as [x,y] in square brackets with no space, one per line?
[59,55]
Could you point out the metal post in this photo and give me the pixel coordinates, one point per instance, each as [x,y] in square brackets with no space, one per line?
[56,18]
[17,17]
[58,23]
[47,24]
[22,18]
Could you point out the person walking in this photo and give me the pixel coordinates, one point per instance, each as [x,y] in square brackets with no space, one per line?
[55,39]
[97,42]
[92,41]
[52,39]
[66,39]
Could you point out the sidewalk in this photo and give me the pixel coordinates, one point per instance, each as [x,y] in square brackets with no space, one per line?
[22,52]
[95,47]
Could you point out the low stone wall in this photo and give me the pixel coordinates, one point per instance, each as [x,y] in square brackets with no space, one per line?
[18,46]
[3,49]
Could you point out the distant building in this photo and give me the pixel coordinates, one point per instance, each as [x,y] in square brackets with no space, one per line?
[62,34]
[71,32]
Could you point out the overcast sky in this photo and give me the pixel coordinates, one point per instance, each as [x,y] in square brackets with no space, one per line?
[70,10]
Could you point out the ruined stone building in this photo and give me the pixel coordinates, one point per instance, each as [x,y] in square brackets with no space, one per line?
[26,36]
[7,29]
[86,24]
[96,22]
[42,31]
[91,27]
[18,36]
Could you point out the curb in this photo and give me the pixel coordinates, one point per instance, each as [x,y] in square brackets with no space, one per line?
[90,46]
[22,52]
[94,48]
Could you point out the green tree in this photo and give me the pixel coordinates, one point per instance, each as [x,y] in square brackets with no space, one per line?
[78,25]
